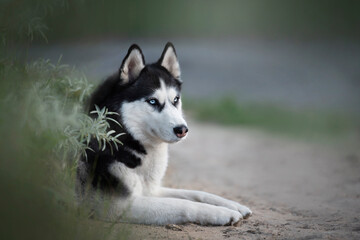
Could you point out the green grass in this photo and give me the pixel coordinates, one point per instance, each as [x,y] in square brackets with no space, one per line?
[43,132]
[300,123]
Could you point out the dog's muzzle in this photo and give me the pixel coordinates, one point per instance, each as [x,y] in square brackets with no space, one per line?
[181,131]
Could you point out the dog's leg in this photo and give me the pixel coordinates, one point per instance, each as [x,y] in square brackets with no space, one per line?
[160,211]
[204,197]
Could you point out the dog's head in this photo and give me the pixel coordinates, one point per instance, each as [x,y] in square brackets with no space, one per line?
[150,106]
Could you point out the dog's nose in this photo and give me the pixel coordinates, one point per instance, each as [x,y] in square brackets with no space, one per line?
[180,131]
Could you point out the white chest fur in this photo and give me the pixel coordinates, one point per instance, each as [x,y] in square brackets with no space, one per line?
[145,179]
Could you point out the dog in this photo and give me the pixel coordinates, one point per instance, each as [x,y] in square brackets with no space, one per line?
[147,99]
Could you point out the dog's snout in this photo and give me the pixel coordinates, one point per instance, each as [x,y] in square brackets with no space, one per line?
[181,131]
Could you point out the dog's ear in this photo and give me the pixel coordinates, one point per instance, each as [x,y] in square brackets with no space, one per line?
[169,60]
[132,64]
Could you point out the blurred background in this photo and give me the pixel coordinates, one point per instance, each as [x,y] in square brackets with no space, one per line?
[269,58]
[287,67]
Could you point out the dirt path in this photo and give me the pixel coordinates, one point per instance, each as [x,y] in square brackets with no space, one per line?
[296,190]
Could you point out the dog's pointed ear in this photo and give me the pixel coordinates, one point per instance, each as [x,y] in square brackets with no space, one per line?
[169,60]
[132,64]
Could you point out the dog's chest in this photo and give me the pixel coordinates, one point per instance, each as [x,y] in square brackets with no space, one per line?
[146,178]
[152,169]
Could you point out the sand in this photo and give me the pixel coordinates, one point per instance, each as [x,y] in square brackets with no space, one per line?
[296,189]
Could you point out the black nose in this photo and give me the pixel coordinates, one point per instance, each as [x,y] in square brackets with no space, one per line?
[180,131]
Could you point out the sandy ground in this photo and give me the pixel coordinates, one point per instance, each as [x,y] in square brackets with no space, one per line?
[296,190]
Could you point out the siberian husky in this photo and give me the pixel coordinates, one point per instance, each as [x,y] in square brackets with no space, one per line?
[147,99]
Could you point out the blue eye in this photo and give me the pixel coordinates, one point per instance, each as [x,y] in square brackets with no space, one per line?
[152,101]
[176,99]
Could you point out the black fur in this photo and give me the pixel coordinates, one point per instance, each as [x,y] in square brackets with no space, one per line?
[111,94]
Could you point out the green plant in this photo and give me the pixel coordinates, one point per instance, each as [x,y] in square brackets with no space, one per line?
[25,20]
[44,131]
[54,100]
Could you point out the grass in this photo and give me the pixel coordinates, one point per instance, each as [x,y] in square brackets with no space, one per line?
[300,123]
[43,132]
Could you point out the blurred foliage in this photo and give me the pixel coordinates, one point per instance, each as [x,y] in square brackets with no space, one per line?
[22,20]
[188,18]
[44,131]
[304,124]
[29,20]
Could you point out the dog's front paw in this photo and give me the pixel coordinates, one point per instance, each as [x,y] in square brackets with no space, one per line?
[245,211]
[214,215]
[227,217]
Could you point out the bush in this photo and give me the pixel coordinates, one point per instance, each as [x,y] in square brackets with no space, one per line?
[43,132]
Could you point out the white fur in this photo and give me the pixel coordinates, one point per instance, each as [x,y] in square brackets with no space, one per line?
[148,202]
[147,124]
